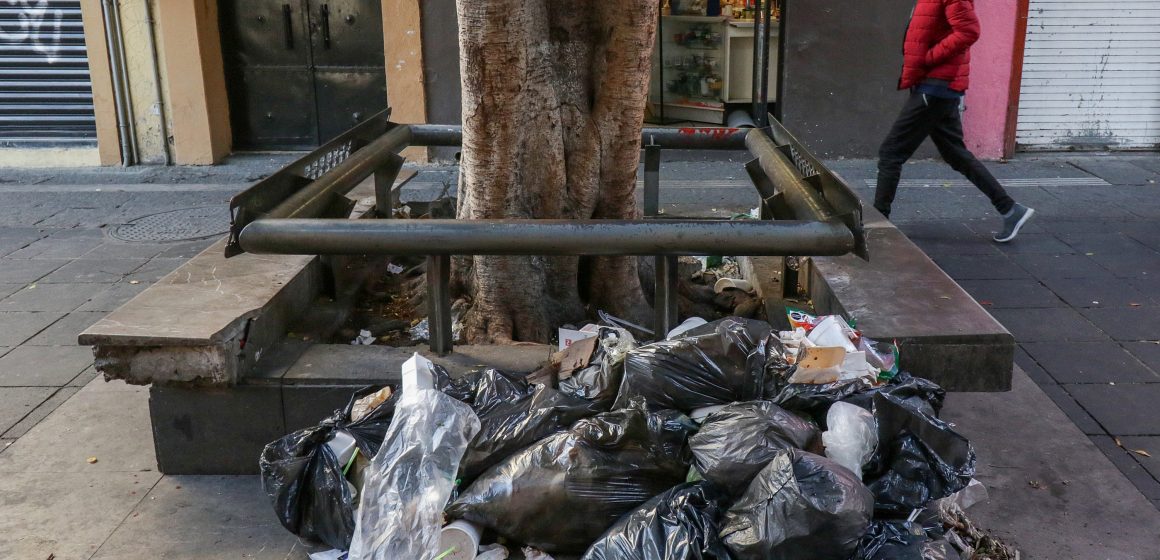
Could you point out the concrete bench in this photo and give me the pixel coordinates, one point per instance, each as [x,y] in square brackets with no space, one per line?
[901,294]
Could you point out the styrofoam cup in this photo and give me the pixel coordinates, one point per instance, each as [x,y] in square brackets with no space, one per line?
[463,537]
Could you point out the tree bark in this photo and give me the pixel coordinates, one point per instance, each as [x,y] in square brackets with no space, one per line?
[553,100]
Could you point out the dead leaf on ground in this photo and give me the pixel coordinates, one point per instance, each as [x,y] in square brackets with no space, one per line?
[985,302]
[92,460]
[1119,443]
[1141,452]
[1134,304]
[1035,484]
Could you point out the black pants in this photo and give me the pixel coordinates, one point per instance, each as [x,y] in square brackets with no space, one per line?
[937,117]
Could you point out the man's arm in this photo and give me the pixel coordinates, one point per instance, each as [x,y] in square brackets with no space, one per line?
[964,33]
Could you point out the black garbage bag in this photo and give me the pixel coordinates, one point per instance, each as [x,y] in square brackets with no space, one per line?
[600,380]
[305,481]
[919,457]
[916,393]
[905,540]
[814,400]
[717,363]
[560,494]
[736,442]
[680,524]
[799,507]
[514,414]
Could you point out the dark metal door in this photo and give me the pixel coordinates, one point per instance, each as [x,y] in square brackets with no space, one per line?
[300,72]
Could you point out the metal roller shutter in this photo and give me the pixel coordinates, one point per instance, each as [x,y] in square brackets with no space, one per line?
[1091,76]
[45,93]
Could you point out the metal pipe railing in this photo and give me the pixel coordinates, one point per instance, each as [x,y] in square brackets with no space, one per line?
[288,213]
[546,237]
[685,138]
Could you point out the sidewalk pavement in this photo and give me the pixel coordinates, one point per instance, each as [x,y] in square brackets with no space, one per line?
[1079,290]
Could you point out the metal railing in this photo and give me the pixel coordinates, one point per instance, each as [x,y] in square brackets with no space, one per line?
[806,211]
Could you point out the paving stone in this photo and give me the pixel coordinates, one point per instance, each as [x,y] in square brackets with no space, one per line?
[40,412]
[1116,172]
[66,515]
[94,270]
[185,250]
[1098,292]
[9,289]
[1148,444]
[1073,410]
[1046,267]
[19,326]
[18,402]
[1089,362]
[1035,243]
[54,247]
[85,378]
[216,506]
[51,297]
[155,270]
[109,423]
[43,366]
[1001,294]
[1126,462]
[1146,352]
[25,271]
[1127,323]
[936,230]
[1123,409]
[1116,243]
[65,331]
[955,247]
[981,267]
[123,250]
[115,296]
[1148,287]
[1032,369]
[1047,324]
[1071,225]
[1137,265]
[5,443]
[1147,234]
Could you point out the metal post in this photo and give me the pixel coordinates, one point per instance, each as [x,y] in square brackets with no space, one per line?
[762,16]
[439,303]
[665,295]
[384,198]
[652,180]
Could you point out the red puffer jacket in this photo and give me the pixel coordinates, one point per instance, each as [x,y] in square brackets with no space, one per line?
[938,43]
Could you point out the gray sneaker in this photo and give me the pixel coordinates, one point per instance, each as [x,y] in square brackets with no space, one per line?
[1012,222]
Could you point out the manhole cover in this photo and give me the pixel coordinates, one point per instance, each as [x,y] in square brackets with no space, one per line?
[177,225]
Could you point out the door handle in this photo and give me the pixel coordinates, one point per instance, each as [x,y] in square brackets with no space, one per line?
[325,13]
[288,22]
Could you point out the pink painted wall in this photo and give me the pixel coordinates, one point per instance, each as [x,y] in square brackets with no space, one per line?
[986,118]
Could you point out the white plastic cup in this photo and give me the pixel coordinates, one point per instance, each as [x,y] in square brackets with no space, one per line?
[463,537]
[831,332]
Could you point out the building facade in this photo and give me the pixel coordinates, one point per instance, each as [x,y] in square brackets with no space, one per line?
[108,82]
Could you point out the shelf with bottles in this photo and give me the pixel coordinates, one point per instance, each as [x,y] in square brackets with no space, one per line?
[700,36]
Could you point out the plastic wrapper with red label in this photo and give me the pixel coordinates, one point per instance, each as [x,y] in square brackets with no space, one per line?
[800,507]
[562,493]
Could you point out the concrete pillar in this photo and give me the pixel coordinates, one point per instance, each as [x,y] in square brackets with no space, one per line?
[403,51]
[199,112]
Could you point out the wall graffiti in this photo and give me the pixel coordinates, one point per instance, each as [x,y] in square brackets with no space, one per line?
[36,23]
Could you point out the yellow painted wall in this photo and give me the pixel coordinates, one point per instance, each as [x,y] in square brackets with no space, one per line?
[147,112]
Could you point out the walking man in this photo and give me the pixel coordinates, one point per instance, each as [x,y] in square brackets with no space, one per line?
[936,69]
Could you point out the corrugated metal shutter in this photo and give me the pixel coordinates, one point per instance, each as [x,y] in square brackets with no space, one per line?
[46,96]
[1091,75]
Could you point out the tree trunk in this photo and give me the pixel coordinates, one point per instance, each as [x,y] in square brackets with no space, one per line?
[553,99]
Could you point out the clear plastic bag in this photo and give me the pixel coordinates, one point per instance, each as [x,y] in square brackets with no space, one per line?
[852,436]
[412,476]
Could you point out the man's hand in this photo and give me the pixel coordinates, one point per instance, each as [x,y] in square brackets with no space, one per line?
[964,32]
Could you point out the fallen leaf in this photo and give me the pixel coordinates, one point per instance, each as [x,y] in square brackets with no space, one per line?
[134,282]
[985,302]
[1134,304]
[1035,484]
[1089,254]
[92,460]
[1118,442]
[1141,452]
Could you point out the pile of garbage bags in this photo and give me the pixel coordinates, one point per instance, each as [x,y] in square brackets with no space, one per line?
[727,441]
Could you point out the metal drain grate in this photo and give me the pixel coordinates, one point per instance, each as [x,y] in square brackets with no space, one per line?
[177,225]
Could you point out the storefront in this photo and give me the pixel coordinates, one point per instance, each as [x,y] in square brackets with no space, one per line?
[1090,76]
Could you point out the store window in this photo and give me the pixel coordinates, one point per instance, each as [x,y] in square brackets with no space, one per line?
[703,62]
